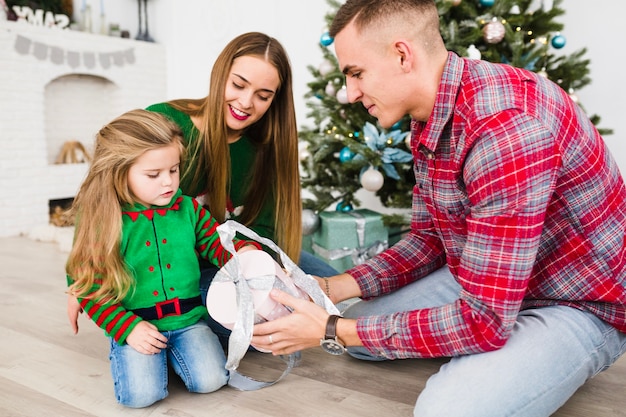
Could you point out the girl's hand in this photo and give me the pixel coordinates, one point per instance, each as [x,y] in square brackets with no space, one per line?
[146,339]
[73,310]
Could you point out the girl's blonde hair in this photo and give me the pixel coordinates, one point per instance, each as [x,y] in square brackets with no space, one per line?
[96,256]
[276,170]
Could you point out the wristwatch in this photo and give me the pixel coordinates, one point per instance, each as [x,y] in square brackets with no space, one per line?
[330,343]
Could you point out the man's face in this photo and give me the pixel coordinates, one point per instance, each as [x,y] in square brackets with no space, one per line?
[373,73]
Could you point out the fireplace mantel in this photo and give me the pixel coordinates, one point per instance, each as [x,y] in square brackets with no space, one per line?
[32,59]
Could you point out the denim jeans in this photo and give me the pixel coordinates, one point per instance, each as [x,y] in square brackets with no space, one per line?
[193,352]
[552,351]
[308,263]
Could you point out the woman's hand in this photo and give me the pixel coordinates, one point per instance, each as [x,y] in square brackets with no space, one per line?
[145,338]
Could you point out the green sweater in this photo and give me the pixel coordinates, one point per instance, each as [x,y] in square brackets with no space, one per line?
[242,155]
[160,246]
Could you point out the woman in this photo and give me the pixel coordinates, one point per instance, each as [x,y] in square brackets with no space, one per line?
[243,159]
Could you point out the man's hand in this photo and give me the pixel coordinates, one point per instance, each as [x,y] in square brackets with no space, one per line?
[301,329]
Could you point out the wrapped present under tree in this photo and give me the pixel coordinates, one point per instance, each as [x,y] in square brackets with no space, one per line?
[345,239]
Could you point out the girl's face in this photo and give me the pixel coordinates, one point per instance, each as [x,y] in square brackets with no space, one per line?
[250,90]
[154,177]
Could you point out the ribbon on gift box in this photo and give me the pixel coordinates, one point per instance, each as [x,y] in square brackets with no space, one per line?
[241,334]
[359,254]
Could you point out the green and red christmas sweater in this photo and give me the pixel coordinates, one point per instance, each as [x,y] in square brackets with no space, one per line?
[160,246]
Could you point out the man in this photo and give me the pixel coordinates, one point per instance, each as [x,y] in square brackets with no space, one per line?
[515,266]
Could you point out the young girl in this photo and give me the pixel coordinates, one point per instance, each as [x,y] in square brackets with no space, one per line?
[134,264]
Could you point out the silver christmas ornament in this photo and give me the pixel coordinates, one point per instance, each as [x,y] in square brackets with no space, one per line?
[310,221]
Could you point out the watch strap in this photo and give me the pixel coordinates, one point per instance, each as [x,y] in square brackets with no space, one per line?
[331,327]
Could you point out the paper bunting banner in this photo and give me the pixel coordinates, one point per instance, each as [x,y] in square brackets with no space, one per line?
[60,56]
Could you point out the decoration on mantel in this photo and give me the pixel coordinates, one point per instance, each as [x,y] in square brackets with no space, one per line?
[143,35]
[41,17]
[73,152]
[59,56]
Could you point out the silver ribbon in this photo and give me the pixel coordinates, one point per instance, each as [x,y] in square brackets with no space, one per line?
[241,334]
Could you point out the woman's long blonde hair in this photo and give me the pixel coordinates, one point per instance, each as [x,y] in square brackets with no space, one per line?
[276,171]
[95,256]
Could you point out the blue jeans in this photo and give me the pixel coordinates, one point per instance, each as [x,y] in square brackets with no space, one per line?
[308,263]
[552,351]
[193,352]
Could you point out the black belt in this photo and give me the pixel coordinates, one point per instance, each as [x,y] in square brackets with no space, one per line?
[173,307]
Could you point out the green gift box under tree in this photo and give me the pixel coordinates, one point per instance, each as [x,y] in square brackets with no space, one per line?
[346,239]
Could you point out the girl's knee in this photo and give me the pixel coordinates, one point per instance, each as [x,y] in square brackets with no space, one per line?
[140,399]
[208,382]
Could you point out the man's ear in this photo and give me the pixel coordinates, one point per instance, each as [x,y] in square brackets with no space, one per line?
[404,53]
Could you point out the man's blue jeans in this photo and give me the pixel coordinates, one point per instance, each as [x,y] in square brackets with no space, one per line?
[550,354]
[194,353]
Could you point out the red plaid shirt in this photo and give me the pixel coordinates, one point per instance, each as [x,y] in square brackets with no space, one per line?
[518,194]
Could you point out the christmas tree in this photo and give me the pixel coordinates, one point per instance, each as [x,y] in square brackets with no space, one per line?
[346,150]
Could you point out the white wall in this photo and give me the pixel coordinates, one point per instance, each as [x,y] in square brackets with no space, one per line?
[194,31]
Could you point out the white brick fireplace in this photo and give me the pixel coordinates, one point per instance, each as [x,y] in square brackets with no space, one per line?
[57,86]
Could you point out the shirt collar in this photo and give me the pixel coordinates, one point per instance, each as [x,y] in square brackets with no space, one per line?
[134,210]
[428,133]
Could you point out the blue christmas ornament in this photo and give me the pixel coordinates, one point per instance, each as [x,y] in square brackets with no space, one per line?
[325,39]
[397,125]
[558,41]
[343,206]
[345,154]
[487,3]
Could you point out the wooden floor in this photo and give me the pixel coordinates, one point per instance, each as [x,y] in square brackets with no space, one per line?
[47,371]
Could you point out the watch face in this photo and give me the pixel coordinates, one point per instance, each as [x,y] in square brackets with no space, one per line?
[333,347]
